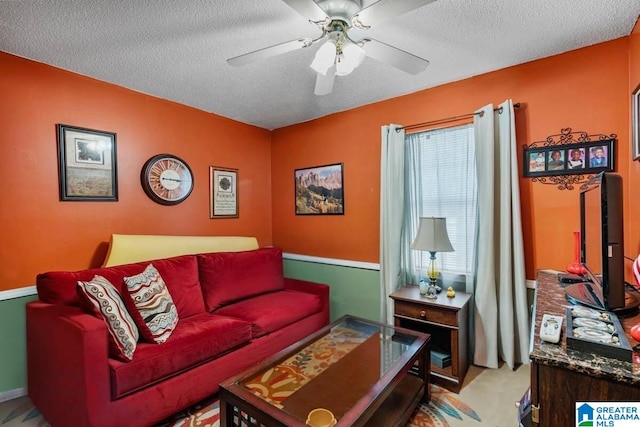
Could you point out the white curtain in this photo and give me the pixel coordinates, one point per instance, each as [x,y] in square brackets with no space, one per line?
[391,216]
[501,316]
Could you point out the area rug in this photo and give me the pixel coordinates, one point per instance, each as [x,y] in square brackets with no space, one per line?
[280,382]
[487,397]
[444,405]
[443,408]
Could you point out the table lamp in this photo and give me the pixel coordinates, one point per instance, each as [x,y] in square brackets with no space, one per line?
[432,236]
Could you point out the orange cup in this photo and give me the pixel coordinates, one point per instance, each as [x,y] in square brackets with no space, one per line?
[321,417]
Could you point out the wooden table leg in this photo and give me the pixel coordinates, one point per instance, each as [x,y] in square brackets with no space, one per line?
[425,371]
[226,414]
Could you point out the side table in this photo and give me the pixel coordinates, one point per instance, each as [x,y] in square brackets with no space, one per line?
[445,319]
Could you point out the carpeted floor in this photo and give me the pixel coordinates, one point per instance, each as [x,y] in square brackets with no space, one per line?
[487,398]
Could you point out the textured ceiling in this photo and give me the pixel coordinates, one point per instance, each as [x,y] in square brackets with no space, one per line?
[177,49]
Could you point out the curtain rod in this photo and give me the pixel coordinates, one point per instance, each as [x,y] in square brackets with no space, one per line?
[451,119]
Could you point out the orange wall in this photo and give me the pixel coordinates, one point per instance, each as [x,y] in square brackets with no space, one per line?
[39,233]
[586,90]
[633,228]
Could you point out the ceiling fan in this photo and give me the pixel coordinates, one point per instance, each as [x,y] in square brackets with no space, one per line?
[340,54]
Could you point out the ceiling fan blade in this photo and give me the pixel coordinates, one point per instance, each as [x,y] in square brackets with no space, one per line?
[308,9]
[324,83]
[268,52]
[395,57]
[384,10]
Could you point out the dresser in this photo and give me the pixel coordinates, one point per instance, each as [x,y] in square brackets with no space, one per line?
[446,320]
[562,376]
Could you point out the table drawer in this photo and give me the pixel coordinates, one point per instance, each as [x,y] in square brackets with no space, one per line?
[418,311]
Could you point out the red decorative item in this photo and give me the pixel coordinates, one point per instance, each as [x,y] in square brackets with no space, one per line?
[635,332]
[575,267]
[636,271]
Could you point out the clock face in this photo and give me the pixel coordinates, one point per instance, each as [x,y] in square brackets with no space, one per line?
[166,179]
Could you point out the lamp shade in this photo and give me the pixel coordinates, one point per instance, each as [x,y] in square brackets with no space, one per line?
[432,235]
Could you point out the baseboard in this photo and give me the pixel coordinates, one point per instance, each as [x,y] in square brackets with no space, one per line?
[18,293]
[332,261]
[12,394]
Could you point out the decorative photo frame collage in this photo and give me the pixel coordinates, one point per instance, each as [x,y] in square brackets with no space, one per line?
[569,159]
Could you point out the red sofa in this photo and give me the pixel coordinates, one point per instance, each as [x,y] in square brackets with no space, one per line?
[234,308]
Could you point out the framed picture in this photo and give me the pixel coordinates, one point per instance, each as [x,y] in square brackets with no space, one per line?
[223,200]
[555,160]
[576,158]
[635,123]
[319,190]
[569,159]
[87,164]
[537,162]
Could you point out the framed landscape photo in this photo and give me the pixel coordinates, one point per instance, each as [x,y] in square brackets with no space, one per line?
[87,164]
[635,124]
[319,190]
[223,200]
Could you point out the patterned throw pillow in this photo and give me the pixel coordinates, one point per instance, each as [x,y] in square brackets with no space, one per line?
[151,305]
[104,300]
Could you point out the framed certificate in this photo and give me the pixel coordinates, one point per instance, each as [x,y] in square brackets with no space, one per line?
[224,192]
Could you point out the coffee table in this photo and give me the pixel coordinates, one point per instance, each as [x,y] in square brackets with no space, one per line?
[366,373]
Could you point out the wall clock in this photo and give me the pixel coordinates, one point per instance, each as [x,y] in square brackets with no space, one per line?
[166,179]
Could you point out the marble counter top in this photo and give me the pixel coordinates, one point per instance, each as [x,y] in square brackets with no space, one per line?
[550,299]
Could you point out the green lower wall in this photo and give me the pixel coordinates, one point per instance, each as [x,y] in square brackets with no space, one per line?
[354,291]
[13,343]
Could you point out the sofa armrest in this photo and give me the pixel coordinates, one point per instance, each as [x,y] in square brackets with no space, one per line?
[67,362]
[319,289]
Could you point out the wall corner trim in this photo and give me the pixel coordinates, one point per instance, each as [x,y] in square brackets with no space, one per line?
[18,293]
[332,261]
[13,394]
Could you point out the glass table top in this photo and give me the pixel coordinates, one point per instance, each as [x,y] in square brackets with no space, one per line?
[333,371]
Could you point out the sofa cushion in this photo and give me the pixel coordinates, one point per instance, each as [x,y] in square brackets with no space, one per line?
[270,312]
[181,276]
[231,276]
[195,340]
[150,305]
[179,273]
[103,300]
[59,287]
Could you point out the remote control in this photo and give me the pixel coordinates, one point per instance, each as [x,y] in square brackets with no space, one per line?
[551,328]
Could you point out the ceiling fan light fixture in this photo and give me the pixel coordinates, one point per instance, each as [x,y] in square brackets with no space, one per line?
[338,54]
[351,57]
[325,57]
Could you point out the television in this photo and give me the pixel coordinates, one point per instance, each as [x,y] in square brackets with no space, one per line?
[602,246]
[602,237]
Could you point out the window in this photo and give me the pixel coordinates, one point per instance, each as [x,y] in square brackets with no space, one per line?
[440,175]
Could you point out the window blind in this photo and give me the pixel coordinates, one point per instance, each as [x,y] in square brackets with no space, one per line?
[441,182]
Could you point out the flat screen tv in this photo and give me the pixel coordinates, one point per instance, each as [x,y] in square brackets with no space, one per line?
[602,238]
